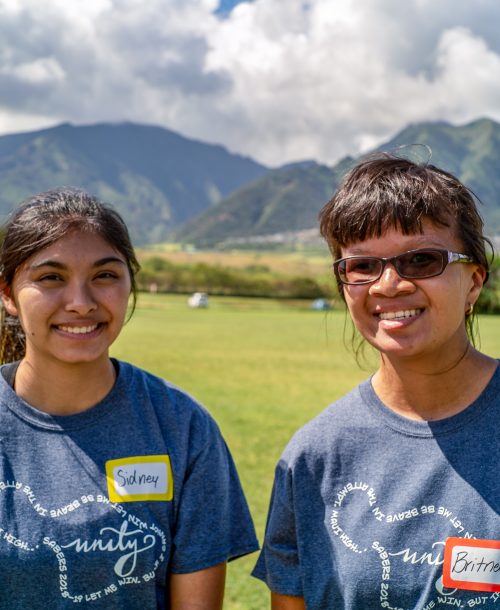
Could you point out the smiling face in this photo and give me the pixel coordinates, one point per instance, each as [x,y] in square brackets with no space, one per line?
[71,298]
[422,318]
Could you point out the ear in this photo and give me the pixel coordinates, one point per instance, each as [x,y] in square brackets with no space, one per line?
[7,300]
[479,277]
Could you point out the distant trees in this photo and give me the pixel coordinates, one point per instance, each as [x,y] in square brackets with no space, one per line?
[253,281]
[489,299]
[162,275]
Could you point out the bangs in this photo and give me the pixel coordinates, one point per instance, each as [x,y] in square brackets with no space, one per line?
[379,214]
[390,193]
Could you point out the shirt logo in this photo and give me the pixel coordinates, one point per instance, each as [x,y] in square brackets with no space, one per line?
[140,478]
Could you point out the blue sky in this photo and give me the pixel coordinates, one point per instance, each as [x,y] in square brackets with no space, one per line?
[225,6]
[277,80]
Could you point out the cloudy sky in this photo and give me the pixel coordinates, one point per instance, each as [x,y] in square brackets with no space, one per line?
[278,80]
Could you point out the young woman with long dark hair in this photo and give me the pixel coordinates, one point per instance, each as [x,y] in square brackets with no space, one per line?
[116,488]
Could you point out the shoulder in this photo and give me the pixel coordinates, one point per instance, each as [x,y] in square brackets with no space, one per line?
[131,377]
[162,400]
[341,421]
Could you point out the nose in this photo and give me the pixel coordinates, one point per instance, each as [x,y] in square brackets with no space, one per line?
[390,283]
[79,298]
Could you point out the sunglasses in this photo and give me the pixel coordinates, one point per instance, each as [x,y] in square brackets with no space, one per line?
[412,265]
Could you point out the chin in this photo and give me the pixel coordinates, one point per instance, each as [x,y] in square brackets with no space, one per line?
[396,349]
[82,358]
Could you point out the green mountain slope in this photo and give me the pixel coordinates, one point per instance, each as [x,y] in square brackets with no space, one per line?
[289,199]
[162,182]
[286,199]
[471,152]
[154,177]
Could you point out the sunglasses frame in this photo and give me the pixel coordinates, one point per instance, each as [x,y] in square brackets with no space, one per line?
[447,257]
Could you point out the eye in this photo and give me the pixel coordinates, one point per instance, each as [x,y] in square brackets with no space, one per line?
[361,266]
[422,258]
[107,276]
[421,263]
[50,277]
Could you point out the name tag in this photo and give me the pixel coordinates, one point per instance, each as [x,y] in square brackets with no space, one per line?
[472,564]
[140,478]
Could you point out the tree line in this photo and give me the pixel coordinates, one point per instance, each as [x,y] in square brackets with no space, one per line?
[161,275]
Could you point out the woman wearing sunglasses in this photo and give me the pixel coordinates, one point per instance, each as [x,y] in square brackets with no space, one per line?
[390,498]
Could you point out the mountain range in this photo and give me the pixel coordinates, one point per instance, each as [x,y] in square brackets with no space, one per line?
[154,177]
[167,186]
[289,199]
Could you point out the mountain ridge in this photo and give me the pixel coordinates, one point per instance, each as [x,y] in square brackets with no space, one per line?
[168,186]
[155,177]
[471,151]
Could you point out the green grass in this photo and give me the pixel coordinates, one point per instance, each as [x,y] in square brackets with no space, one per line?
[262,368]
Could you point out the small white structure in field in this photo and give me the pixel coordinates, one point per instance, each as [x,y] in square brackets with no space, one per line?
[198,299]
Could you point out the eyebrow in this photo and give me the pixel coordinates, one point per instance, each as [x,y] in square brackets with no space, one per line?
[58,265]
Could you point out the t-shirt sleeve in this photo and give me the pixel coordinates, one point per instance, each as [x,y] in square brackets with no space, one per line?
[278,564]
[213,521]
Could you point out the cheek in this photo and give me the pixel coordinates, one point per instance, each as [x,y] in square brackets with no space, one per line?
[118,301]
[27,313]
[354,301]
[31,307]
[456,296]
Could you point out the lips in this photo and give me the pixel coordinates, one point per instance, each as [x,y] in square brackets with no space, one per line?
[399,315]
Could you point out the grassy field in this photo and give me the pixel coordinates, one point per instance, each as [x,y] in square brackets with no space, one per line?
[262,368]
[296,263]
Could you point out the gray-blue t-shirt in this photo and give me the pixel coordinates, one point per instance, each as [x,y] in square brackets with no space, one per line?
[364,501]
[97,508]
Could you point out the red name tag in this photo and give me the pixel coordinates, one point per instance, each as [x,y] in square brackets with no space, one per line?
[472,564]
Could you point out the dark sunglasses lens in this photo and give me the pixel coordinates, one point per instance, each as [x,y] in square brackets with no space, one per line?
[421,263]
[359,270]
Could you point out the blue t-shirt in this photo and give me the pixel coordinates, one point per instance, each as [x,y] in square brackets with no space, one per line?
[97,508]
[364,501]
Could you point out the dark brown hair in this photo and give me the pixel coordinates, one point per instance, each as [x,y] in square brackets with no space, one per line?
[45,218]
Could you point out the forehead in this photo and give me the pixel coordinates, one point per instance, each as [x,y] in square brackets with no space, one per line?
[394,241]
[75,248]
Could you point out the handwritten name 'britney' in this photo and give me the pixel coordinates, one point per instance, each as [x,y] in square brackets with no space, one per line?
[126,478]
[467,563]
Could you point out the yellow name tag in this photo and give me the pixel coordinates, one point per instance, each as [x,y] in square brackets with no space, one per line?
[140,478]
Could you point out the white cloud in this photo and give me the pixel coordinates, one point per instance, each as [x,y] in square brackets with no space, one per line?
[12,121]
[469,73]
[277,80]
[43,70]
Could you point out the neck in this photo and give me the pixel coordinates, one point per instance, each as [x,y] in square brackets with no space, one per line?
[436,391]
[64,389]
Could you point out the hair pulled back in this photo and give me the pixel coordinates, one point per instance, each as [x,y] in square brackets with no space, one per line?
[42,220]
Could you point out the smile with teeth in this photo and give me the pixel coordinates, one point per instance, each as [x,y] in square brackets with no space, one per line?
[398,315]
[78,330]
